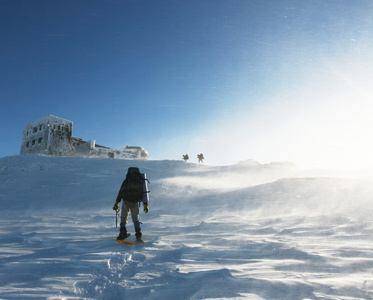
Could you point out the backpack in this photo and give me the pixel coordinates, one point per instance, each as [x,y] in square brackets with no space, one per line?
[132,187]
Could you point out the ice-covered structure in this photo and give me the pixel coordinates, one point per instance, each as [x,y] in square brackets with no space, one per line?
[52,135]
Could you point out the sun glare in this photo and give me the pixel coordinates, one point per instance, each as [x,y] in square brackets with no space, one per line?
[326,122]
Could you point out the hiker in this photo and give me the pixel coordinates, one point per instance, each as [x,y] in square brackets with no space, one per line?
[200,158]
[133,191]
[186,157]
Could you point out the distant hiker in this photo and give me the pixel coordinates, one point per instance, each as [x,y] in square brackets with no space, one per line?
[186,157]
[200,158]
[133,191]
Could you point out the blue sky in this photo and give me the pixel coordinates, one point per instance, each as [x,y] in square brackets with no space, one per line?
[234,79]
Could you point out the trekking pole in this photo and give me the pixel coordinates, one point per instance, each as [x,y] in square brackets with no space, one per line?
[116,218]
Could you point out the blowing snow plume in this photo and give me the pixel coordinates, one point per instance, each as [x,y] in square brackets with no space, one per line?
[245,231]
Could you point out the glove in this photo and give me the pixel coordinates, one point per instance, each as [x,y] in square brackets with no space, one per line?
[116,207]
[146,208]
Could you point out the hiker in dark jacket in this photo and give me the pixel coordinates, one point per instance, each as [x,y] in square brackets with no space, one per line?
[133,191]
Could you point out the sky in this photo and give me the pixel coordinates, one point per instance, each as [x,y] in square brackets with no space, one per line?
[232,79]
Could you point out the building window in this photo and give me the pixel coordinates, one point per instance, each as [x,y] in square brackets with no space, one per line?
[35,129]
[33,142]
[40,127]
[39,141]
[27,144]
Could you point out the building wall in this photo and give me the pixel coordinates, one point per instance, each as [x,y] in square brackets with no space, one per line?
[83,149]
[49,135]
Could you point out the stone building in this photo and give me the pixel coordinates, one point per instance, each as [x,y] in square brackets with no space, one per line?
[52,135]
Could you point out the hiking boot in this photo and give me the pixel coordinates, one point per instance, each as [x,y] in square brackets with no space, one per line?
[138,236]
[123,234]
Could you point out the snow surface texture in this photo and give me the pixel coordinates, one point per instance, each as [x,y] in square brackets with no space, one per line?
[246,231]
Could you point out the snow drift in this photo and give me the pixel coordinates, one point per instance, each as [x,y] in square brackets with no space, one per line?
[246,231]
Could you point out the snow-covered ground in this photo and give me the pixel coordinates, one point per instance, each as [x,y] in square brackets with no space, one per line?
[246,231]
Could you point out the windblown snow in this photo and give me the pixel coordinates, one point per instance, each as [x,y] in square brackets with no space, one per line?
[246,231]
